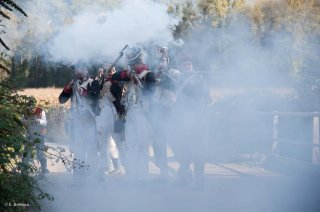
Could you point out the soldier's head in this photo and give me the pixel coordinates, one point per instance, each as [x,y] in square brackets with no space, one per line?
[80,72]
[161,51]
[134,56]
[163,57]
[31,104]
[100,72]
[187,65]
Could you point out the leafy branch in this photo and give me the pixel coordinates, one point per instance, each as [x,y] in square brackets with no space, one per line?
[59,154]
[8,6]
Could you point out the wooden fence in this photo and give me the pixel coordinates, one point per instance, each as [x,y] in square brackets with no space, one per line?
[315,133]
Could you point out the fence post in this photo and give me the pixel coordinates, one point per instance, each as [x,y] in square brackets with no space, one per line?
[275,149]
[315,139]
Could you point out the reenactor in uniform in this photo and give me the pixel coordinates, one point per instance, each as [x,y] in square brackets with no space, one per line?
[191,146]
[108,147]
[132,89]
[36,129]
[84,94]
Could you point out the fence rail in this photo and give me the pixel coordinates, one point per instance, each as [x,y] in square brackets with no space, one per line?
[315,132]
[296,114]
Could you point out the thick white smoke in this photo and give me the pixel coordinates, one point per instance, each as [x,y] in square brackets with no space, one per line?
[241,61]
[94,35]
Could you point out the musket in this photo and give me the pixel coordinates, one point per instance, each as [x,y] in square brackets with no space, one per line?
[129,93]
[136,78]
[112,66]
[118,58]
[140,87]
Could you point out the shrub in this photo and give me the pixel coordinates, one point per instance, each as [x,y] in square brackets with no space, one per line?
[18,184]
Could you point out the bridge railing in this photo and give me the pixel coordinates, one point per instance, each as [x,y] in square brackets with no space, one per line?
[315,144]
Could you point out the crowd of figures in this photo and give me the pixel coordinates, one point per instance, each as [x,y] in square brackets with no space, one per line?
[117,115]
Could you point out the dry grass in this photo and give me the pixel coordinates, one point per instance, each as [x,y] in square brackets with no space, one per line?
[46,97]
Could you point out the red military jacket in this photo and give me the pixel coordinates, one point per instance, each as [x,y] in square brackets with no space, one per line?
[123,75]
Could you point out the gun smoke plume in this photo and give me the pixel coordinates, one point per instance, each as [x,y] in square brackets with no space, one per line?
[93,35]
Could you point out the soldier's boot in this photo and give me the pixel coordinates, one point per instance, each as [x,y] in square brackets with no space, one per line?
[116,166]
[142,165]
[101,175]
[185,175]
[43,164]
[199,174]
[164,172]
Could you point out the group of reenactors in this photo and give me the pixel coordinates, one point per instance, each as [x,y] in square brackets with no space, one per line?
[118,114]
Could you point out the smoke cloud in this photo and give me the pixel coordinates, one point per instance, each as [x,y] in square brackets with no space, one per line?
[93,35]
[245,75]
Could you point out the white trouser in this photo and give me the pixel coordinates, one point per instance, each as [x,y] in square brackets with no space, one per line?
[138,138]
[108,148]
[84,142]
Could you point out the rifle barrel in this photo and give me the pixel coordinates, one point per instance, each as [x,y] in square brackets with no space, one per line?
[118,58]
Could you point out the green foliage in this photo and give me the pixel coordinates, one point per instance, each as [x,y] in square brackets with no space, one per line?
[217,10]
[298,20]
[8,6]
[187,15]
[209,13]
[16,182]
[35,72]
[4,65]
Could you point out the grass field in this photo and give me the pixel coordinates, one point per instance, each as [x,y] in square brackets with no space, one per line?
[46,97]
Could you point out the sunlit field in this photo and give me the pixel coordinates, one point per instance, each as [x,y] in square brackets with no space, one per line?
[46,97]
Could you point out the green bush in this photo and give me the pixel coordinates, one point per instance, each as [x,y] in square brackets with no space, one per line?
[18,184]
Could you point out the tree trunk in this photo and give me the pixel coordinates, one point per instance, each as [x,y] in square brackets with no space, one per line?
[13,67]
[37,62]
